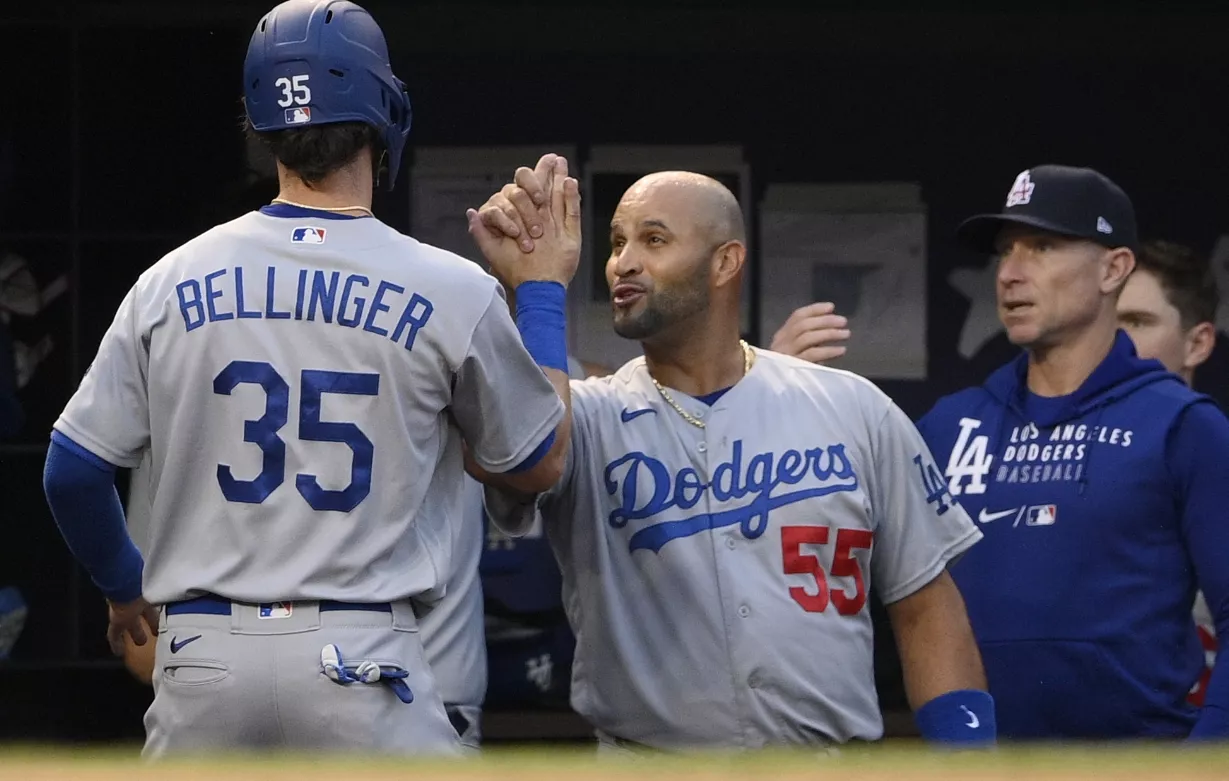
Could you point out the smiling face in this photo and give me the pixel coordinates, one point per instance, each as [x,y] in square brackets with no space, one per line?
[666,238]
[1051,287]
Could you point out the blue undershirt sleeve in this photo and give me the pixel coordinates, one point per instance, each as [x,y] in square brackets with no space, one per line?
[80,489]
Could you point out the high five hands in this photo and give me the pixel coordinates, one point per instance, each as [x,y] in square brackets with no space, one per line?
[530,230]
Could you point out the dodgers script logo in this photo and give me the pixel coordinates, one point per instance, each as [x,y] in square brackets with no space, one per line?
[636,475]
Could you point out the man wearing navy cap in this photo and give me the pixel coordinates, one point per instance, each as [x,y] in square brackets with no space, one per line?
[1097,478]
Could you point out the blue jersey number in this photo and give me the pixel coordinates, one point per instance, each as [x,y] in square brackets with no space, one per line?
[262,432]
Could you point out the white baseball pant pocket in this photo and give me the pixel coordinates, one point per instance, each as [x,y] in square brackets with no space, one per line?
[190,672]
[208,693]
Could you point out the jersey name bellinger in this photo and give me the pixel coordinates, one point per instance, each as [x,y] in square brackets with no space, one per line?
[636,474]
[224,295]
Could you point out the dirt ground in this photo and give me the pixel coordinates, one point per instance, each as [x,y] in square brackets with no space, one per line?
[896,764]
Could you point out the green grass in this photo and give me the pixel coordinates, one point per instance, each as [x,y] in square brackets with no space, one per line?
[899,762]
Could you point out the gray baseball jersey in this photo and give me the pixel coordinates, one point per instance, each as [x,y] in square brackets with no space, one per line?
[453,640]
[294,381]
[137,508]
[717,578]
[453,633]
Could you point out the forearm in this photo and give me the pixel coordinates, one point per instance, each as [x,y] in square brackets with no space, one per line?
[944,678]
[527,480]
[541,319]
[938,653]
[563,431]
[80,490]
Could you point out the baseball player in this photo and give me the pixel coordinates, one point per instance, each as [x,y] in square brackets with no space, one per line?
[453,632]
[1168,308]
[302,378]
[1098,481]
[724,510]
[529,643]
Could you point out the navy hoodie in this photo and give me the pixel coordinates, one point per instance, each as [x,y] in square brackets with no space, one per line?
[1103,511]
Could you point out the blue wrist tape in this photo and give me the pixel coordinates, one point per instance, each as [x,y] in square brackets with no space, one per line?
[964,717]
[541,317]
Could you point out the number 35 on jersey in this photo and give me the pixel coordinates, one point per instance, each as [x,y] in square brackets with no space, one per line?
[264,433]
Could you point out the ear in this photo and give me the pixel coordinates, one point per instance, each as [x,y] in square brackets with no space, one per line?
[728,262]
[1117,265]
[1199,343]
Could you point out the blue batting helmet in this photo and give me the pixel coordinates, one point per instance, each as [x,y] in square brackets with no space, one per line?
[314,62]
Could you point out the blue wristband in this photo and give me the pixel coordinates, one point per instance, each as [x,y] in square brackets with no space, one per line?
[541,318]
[964,718]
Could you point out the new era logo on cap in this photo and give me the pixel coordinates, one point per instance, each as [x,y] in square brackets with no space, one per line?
[1103,226]
[307,235]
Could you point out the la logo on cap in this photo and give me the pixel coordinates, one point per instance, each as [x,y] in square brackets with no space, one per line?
[1021,191]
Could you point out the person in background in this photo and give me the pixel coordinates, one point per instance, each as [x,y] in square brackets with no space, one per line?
[1168,308]
[1097,479]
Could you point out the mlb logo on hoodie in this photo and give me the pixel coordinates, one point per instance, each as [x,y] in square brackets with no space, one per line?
[1042,515]
[307,236]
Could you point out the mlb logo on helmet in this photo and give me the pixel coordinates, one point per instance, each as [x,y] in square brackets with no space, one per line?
[1042,515]
[298,116]
[308,235]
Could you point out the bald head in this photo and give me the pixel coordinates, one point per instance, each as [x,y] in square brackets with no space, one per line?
[677,247]
[708,203]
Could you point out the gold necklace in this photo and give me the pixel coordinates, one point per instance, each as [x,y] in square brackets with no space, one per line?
[748,359]
[324,208]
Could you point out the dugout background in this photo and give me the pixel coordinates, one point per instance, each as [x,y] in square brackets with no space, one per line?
[119,140]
